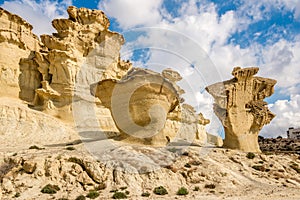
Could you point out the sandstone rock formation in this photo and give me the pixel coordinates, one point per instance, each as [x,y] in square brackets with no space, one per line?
[57,75]
[146,108]
[16,42]
[240,107]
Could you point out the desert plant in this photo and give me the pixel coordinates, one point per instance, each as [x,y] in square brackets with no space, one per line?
[259,168]
[182,191]
[210,186]
[187,165]
[160,190]
[81,197]
[36,147]
[197,188]
[50,189]
[250,155]
[93,194]
[145,194]
[17,195]
[119,195]
[123,188]
[70,148]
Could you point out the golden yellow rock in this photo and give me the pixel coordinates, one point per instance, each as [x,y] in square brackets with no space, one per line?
[240,107]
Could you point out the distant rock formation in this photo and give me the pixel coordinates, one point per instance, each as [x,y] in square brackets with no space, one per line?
[240,107]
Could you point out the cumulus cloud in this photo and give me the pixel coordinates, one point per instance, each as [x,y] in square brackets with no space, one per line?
[39,13]
[287,116]
[131,13]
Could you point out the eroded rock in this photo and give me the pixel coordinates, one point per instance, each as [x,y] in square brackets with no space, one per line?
[240,107]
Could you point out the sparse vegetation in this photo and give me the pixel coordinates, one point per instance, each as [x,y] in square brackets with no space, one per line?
[36,147]
[145,194]
[119,195]
[250,155]
[17,195]
[93,194]
[259,168]
[182,191]
[123,188]
[81,197]
[50,189]
[210,186]
[70,148]
[187,165]
[160,190]
[197,188]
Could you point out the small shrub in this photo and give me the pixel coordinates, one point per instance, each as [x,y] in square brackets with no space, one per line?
[123,188]
[70,148]
[92,194]
[17,195]
[259,168]
[115,190]
[14,154]
[250,155]
[50,189]
[160,190]
[119,195]
[81,197]
[36,147]
[182,191]
[145,194]
[210,186]
[197,188]
[187,165]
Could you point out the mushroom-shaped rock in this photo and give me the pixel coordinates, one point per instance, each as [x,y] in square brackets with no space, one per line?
[240,107]
[139,104]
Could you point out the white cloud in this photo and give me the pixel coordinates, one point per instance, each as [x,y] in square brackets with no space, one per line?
[39,14]
[287,115]
[131,13]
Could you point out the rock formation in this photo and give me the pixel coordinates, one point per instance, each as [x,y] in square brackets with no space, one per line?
[58,75]
[16,42]
[146,108]
[240,107]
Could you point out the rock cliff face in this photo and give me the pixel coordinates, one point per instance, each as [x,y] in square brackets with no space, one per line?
[16,42]
[240,107]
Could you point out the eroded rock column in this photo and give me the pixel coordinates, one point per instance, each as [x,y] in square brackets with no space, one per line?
[240,107]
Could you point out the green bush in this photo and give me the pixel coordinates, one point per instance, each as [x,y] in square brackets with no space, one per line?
[92,194]
[50,189]
[119,195]
[182,191]
[250,155]
[145,194]
[81,197]
[160,190]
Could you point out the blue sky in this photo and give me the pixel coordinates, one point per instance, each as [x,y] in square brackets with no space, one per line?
[263,33]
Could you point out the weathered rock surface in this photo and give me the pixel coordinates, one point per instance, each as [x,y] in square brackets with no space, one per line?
[16,42]
[146,108]
[240,107]
[219,174]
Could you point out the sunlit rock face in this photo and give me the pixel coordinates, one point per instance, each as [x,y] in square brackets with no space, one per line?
[16,42]
[240,107]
